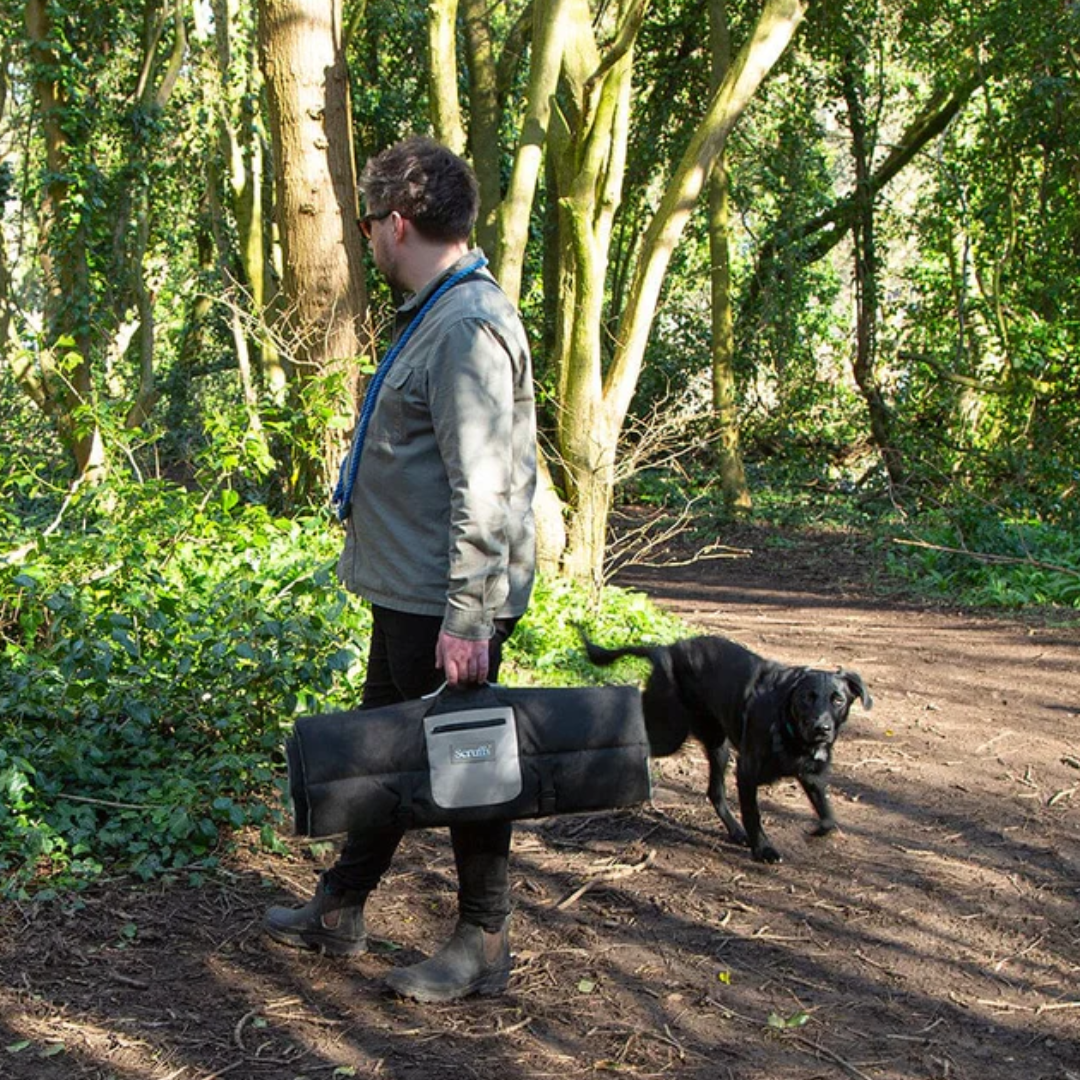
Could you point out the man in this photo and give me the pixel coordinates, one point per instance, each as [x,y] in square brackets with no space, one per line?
[439,535]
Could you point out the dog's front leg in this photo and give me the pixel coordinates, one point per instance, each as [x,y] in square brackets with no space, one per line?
[816,787]
[719,757]
[760,846]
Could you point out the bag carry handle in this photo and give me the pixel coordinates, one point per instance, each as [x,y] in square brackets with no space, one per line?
[469,686]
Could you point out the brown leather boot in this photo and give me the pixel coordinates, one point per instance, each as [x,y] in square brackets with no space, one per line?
[332,921]
[473,961]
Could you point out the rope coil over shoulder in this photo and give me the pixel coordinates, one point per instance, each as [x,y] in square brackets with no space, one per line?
[342,497]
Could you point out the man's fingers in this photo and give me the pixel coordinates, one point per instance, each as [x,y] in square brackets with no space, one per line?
[462,661]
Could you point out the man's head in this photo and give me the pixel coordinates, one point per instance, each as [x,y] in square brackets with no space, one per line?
[427,185]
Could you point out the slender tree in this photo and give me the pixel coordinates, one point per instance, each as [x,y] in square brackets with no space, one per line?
[594,397]
[733,484]
[324,299]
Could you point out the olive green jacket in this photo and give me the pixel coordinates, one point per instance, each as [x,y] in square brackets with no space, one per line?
[441,520]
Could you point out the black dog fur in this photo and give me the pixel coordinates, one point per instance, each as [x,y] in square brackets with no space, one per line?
[781,720]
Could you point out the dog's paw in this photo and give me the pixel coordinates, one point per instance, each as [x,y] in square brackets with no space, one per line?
[824,828]
[768,854]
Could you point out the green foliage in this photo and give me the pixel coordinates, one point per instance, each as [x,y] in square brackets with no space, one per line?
[986,559]
[154,651]
[157,648]
[546,646]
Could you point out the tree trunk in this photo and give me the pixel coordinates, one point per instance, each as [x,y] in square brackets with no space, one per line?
[484,117]
[153,99]
[442,74]
[589,143]
[733,484]
[594,404]
[866,273]
[303,62]
[553,22]
[243,146]
[64,270]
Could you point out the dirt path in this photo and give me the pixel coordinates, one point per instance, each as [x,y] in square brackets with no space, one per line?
[938,936]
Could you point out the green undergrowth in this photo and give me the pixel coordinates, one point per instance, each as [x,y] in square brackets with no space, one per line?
[982,559]
[1008,554]
[156,649]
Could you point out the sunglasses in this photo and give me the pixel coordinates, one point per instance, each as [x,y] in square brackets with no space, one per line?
[367,219]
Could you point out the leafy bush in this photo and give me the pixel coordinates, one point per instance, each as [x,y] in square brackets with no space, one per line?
[980,558]
[155,651]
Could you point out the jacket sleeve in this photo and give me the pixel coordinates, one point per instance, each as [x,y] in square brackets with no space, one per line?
[471,396]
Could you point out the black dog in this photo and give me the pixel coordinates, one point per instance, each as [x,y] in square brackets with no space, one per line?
[782,720]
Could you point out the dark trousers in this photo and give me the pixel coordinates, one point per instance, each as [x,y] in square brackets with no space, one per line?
[401,666]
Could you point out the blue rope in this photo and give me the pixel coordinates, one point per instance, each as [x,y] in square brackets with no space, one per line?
[342,498]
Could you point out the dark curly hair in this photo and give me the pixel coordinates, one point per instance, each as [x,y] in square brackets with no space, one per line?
[426,183]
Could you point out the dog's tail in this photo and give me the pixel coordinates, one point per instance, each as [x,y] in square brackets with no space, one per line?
[604,657]
[667,721]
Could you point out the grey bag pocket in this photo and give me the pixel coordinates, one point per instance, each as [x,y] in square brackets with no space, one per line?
[473,757]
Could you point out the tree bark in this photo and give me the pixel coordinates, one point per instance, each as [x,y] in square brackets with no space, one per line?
[733,484]
[442,74]
[594,402]
[243,146]
[64,269]
[552,26]
[303,62]
[484,116]
[866,273]
[589,143]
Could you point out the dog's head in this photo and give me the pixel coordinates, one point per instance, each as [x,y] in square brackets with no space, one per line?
[818,705]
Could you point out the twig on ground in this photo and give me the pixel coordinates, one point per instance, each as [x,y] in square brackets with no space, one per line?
[997,738]
[836,1058]
[104,802]
[614,874]
[221,1072]
[496,1034]
[801,1039]
[238,1037]
[127,980]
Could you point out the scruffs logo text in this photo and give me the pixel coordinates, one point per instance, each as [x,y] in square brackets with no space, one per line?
[466,755]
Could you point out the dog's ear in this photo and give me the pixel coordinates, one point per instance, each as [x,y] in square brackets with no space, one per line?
[857,688]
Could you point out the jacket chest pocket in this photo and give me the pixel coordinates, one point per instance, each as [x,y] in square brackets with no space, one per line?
[400,407]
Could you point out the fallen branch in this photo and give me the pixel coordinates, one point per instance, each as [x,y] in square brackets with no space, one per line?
[127,980]
[836,1058]
[997,738]
[614,874]
[105,802]
[991,557]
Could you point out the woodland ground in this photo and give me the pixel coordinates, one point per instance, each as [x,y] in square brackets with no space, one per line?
[938,935]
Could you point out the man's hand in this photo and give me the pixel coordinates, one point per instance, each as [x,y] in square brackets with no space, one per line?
[462,661]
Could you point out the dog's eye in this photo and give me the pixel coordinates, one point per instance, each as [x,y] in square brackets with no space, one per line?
[838,699]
